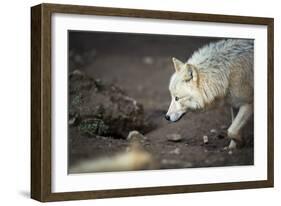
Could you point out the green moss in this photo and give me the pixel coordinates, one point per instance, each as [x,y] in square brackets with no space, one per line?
[93,127]
[76,100]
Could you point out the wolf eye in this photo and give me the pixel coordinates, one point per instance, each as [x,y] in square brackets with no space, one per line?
[176,98]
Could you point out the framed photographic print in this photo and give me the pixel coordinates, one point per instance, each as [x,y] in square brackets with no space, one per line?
[132,102]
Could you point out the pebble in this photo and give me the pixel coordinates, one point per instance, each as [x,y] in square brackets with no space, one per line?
[77,72]
[72,121]
[174,137]
[175,151]
[205,139]
[230,152]
[148,60]
[136,135]
[213,131]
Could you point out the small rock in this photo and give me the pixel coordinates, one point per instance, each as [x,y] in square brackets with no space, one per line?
[174,137]
[77,72]
[148,60]
[135,135]
[72,121]
[175,151]
[205,139]
[230,152]
[213,131]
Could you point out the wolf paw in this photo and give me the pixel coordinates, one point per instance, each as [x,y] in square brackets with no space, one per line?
[234,144]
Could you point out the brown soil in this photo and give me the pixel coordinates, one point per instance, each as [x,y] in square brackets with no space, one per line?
[141,66]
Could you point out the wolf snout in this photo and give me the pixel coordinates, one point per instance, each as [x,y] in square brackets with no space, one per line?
[167,117]
[174,117]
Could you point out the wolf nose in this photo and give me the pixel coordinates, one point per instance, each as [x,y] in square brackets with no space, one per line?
[167,117]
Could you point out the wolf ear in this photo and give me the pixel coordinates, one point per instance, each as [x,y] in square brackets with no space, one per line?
[191,73]
[177,64]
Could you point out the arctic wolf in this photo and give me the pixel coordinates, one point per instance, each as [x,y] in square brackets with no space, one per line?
[218,72]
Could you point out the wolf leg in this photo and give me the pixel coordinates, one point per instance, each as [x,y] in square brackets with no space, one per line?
[232,114]
[233,132]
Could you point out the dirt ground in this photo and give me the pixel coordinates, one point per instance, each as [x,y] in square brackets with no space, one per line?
[141,65]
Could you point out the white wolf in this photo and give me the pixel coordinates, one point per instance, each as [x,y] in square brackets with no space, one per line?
[219,71]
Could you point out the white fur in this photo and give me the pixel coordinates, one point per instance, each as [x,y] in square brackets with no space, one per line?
[219,71]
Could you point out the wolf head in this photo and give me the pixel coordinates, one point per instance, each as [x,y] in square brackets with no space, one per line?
[184,91]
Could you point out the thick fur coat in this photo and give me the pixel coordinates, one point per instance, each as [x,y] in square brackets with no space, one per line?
[219,72]
[225,69]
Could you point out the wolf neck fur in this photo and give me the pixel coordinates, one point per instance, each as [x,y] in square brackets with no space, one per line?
[213,84]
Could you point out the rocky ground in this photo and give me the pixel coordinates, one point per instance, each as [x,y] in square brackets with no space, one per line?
[120,83]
